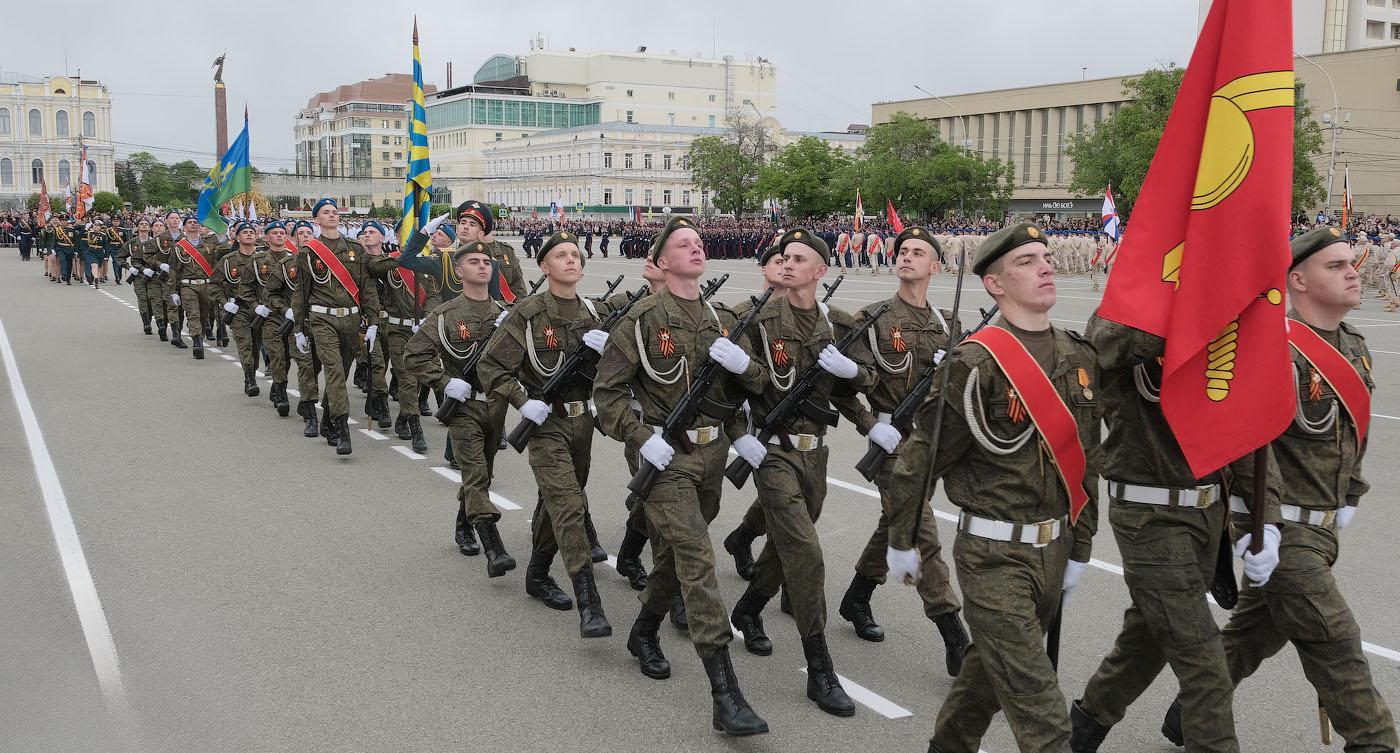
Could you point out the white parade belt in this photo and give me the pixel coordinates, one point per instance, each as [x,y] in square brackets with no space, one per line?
[1200,497]
[402,322]
[342,312]
[194,282]
[701,435]
[800,442]
[1038,534]
[1292,513]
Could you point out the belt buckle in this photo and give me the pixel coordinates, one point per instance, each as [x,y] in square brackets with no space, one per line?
[573,409]
[1045,533]
[1205,496]
[706,434]
[1328,518]
[806,442]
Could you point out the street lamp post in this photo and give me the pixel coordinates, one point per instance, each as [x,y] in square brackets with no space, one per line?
[967,139]
[1336,125]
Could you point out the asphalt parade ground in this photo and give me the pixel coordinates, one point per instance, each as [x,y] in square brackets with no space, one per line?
[180,570]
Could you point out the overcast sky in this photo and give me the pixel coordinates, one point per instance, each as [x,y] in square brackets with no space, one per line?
[832,62]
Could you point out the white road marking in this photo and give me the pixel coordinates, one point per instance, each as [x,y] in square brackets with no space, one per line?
[448,473]
[351,420]
[400,449]
[372,434]
[1382,415]
[227,357]
[93,620]
[506,504]
[293,393]
[213,350]
[870,699]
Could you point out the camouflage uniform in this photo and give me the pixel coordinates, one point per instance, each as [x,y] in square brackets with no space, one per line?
[994,466]
[335,334]
[230,274]
[189,279]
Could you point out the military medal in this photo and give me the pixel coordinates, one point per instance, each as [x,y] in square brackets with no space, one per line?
[292,274]
[1084,382]
[1015,410]
[897,339]
[780,354]
[550,341]
[233,272]
[462,332]
[352,255]
[262,270]
[1314,385]
[320,266]
[664,343]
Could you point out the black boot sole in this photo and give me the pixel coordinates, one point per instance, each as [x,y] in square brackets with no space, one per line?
[559,606]
[495,568]
[652,674]
[284,410]
[874,636]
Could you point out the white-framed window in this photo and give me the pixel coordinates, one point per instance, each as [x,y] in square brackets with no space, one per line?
[607,162]
[65,173]
[90,124]
[712,97]
[1375,30]
[646,162]
[60,123]
[712,121]
[36,123]
[646,197]
[4,121]
[627,163]
[666,162]
[7,172]
[685,198]
[36,171]
[629,116]
[607,196]
[671,96]
[629,92]
[627,196]
[666,197]
[384,140]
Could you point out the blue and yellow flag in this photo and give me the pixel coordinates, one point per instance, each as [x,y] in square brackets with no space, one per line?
[230,178]
[418,188]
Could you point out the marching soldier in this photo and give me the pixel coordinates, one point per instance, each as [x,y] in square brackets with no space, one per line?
[333,294]
[256,289]
[281,294]
[650,363]
[191,271]
[1015,392]
[1319,458]
[65,245]
[796,333]
[234,270]
[161,253]
[436,354]
[475,223]
[381,265]
[533,343]
[147,291]
[404,294]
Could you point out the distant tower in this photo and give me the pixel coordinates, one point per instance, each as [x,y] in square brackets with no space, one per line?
[220,109]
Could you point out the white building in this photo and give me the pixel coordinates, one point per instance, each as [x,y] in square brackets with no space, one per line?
[1324,26]
[41,123]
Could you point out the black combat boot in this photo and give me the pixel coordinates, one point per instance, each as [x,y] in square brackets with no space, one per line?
[955,641]
[629,560]
[823,686]
[423,402]
[498,562]
[362,377]
[160,330]
[328,426]
[1086,734]
[539,585]
[747,618]
[198,351]
[175,340]
[732,713]
[279,399]
[145,322]
[401,426]
[592,623]
[855,608]
[250,382]
[644,643]
[381,410]
[342,436]
[679,617]
[738,544]
[1171,725]
[415,432]
[307,410]
[466,540]
[596,552]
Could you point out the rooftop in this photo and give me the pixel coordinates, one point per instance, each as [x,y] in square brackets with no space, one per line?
[391,88]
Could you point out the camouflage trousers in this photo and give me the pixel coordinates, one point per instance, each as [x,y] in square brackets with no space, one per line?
[791,488]
[277,357]
[197,303]
[1302,605]
[678,514]
[396,337]
[148,297]
[561,452]
[241,329]
[1168,563]
[334,340]
[476,434]
[1012,593]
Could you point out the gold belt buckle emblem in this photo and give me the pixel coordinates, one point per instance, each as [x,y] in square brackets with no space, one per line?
[574,409]
[1205,497]
[706,434]
[1328,518]
[806,442]
[1046,534]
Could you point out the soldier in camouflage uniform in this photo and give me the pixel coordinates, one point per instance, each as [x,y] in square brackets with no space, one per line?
[904,341]
[398,321]
[282,292]
[148,299]
[159,256]
[532,344]
[436,355]
[649,362]
[1319,458]
[230,274]
[1021,542]
[257,290]
[794,334]
[192,284]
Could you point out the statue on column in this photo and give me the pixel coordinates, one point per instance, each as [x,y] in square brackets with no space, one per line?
[219,65]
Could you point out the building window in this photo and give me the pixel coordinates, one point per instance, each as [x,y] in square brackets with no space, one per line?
[685,163]
[607,196]
[646,163]
[398,141]
[1375,30]
[398,124]
[1380,3]
[36,171]
[36,123]
[398,155]
[65,173]
[666,197]
[627,163]
[671,96]
[712,121]
[665,162]
[629,92]
[1044,142]
[685,198]
[384,171]
[60,123]
[712,97]
[1395,28]
[383,124]
[384,140]
[629,116]
[4,121]
[498,135]
[384,155]
[90,124]
[646,197]
[627,196]
[607,162]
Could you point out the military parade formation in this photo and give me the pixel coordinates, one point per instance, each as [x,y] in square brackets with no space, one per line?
[1019,419]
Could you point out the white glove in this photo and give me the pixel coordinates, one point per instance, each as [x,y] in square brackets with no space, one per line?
[289,316]
[1259,567]
[938,356]
[1344,516]
[415,329]
[262,311]
[535,410]
[885,435]
[750,449]
[175,298]
[902,563]
[501,317]
[231,307]
[836,364]
[302,344]
[148,272]
[595,339]
[433,224]
[730,356]
[165,267]
[370,333]
[658,452]
[1073,572]
[457,389]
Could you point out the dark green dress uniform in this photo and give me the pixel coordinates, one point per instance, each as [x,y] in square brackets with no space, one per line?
[402,312]
[148,299]
[265,285]
[1168,525]
[281,287]
[193,284]
[164,284]
[994,467]
[231,273]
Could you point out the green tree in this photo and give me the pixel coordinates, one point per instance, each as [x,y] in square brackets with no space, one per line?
[55,203]
[186,178]
[805,177]
[1119,150]
[128,186]
[106,202]
[152,178]
[904,161]
[728,166]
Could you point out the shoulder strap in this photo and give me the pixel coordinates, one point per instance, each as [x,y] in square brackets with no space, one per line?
[189,248]
[1337,371]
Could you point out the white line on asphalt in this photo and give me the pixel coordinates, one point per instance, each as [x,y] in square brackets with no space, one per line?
[448,473]
[400,449]
[506,504]
[227,357]
[372,434]
[870,699]
[293,393]
[351,421]
[90,615]
[1382,415]
[213,350]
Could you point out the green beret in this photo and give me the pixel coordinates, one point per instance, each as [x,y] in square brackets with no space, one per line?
[768,254]
[675,223]
[1313,241]
[475,247]
[806,237]
[997,244]
[917,233]
[563,236]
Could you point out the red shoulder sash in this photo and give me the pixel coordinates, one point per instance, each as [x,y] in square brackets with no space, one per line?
[189,248]
[1337,371]
[334,264]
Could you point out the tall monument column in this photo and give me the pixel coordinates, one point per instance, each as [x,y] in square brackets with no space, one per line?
[220,108]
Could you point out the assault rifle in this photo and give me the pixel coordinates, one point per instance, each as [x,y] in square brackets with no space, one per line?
[447,410]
